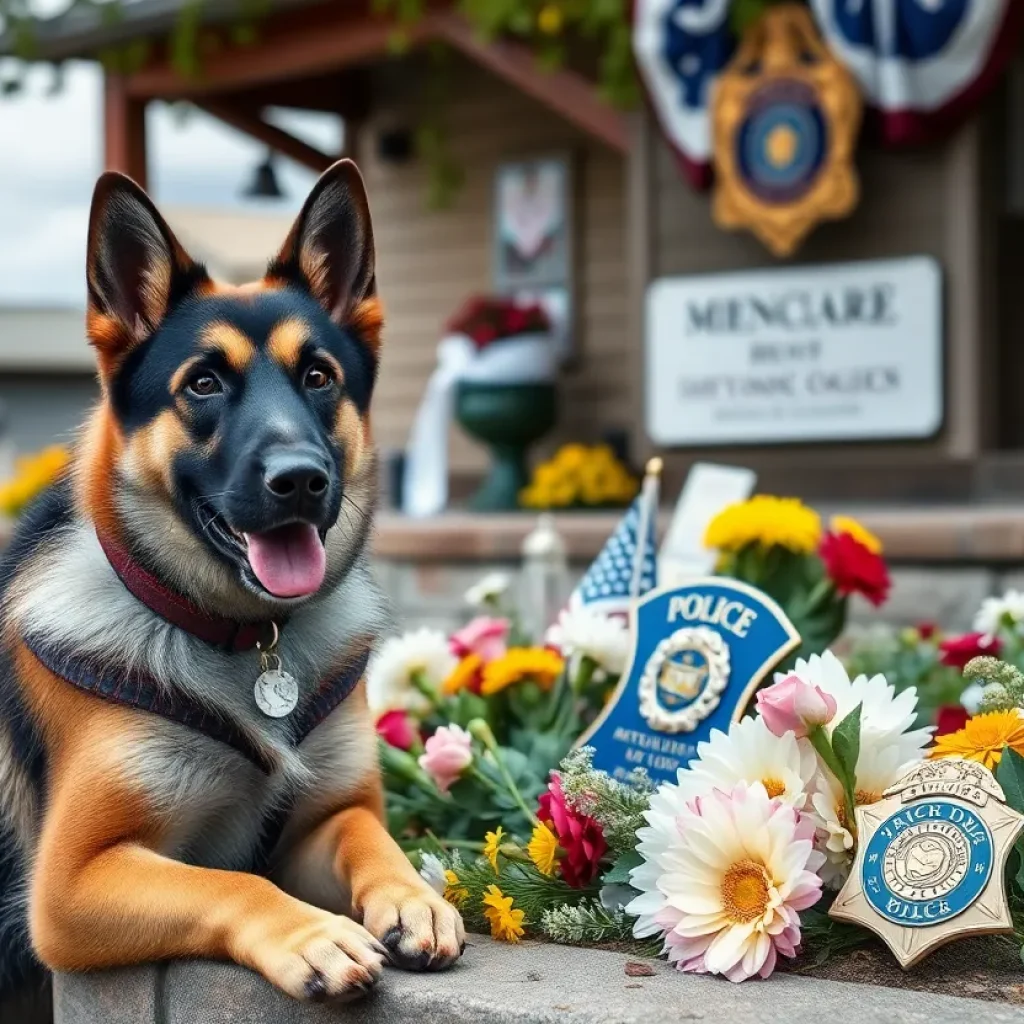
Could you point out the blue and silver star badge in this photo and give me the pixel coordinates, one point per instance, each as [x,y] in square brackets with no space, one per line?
[930,860]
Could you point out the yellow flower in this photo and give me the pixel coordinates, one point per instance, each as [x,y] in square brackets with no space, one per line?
[768,521]
[492,845]
[454,891]
[543,849]
[33,474]
[983,738]
[518,663]
[549,20]
[463,674]
[506,923]
[859,532]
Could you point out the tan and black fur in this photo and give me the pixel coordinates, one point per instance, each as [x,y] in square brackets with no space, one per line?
[125,837]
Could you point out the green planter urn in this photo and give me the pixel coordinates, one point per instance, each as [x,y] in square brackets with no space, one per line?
[507,418]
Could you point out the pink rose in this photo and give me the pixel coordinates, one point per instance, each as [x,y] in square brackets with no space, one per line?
[397,729]
[483,636]
[793,705]
[449,752]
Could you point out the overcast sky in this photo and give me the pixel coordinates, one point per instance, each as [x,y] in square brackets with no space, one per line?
[50,155]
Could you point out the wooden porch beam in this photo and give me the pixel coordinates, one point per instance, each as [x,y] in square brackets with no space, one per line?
[289,54]
[124,129]
[250,123]
[566,92]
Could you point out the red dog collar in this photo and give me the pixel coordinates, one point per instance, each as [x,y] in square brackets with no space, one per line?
[179,611]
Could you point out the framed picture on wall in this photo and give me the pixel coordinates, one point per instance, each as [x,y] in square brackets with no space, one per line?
[533,238]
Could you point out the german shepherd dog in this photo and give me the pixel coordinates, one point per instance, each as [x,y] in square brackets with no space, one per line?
[212,527]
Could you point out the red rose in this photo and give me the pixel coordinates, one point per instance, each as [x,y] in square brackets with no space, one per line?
[397,729]
[959,650]
[951,718]
[484,336]
[578,835]
[517,321]
[854,569]
[926,630]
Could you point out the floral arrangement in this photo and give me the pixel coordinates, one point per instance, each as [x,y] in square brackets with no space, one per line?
[780,546]
[730,869]
[578,476]
[470,725]
[33,474]
[485,320]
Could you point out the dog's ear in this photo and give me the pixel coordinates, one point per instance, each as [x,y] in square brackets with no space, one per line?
[329,252]
[135,268]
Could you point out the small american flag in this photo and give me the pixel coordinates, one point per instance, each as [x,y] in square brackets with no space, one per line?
[627,567]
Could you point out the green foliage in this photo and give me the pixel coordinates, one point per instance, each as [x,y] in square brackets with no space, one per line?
[618,807]
[531,892]
[1010,775]
[1003,682]
[588,923]
[846,742]
[823,937]
[907,658]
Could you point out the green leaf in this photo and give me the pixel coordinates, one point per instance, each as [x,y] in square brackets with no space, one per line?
[618,873]
[846,744]
[1010,775]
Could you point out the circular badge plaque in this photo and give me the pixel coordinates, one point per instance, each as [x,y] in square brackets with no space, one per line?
[782,141]
[928,863]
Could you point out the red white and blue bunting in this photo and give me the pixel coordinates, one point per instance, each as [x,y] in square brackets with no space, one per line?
[922,64]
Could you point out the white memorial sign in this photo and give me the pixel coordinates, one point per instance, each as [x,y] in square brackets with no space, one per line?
[841,352]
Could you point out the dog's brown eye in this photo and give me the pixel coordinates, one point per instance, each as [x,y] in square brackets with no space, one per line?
[204,384]
[318,378]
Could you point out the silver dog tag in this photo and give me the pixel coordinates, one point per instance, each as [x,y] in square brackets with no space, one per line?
[277,693]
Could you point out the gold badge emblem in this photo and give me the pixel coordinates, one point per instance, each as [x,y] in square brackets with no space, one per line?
[930,860]
[786,115]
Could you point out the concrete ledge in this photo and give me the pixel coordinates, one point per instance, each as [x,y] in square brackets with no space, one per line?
[528,984]
[924,533]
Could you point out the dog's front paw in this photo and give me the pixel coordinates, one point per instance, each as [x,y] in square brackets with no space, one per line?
[422,932]
[329,957]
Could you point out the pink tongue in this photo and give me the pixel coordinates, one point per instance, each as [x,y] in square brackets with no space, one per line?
[289,561]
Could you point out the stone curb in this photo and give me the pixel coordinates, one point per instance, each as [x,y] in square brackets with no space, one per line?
[528,984]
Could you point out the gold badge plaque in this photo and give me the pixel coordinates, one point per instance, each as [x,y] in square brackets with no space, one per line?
[786,115]
[930,860]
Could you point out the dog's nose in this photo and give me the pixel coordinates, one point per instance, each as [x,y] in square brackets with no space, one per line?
[295,475]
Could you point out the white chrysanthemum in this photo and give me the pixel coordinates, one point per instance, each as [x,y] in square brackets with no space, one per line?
[581,632]
[749,752]
[389,684]
[995,613]
[724,879]
[487,592]
[889,744]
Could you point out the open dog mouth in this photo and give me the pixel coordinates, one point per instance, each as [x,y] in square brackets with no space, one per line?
[287,561]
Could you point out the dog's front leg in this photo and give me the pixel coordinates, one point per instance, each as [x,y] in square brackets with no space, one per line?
[103,897]
[352,853]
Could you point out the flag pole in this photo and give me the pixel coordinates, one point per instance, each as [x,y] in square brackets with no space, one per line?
[648,516]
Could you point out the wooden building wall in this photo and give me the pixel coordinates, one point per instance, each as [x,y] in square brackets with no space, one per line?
[934,201]
[430,261]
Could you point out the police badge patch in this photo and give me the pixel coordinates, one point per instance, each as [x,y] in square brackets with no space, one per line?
[786,115]
[699,652]
[930,860]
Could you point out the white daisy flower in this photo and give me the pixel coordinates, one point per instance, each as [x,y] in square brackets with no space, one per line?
[724,880]
[834,838]
[889,744]
[487,592]
[389,678]
[1005,612]
[581,632]
[750,753]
